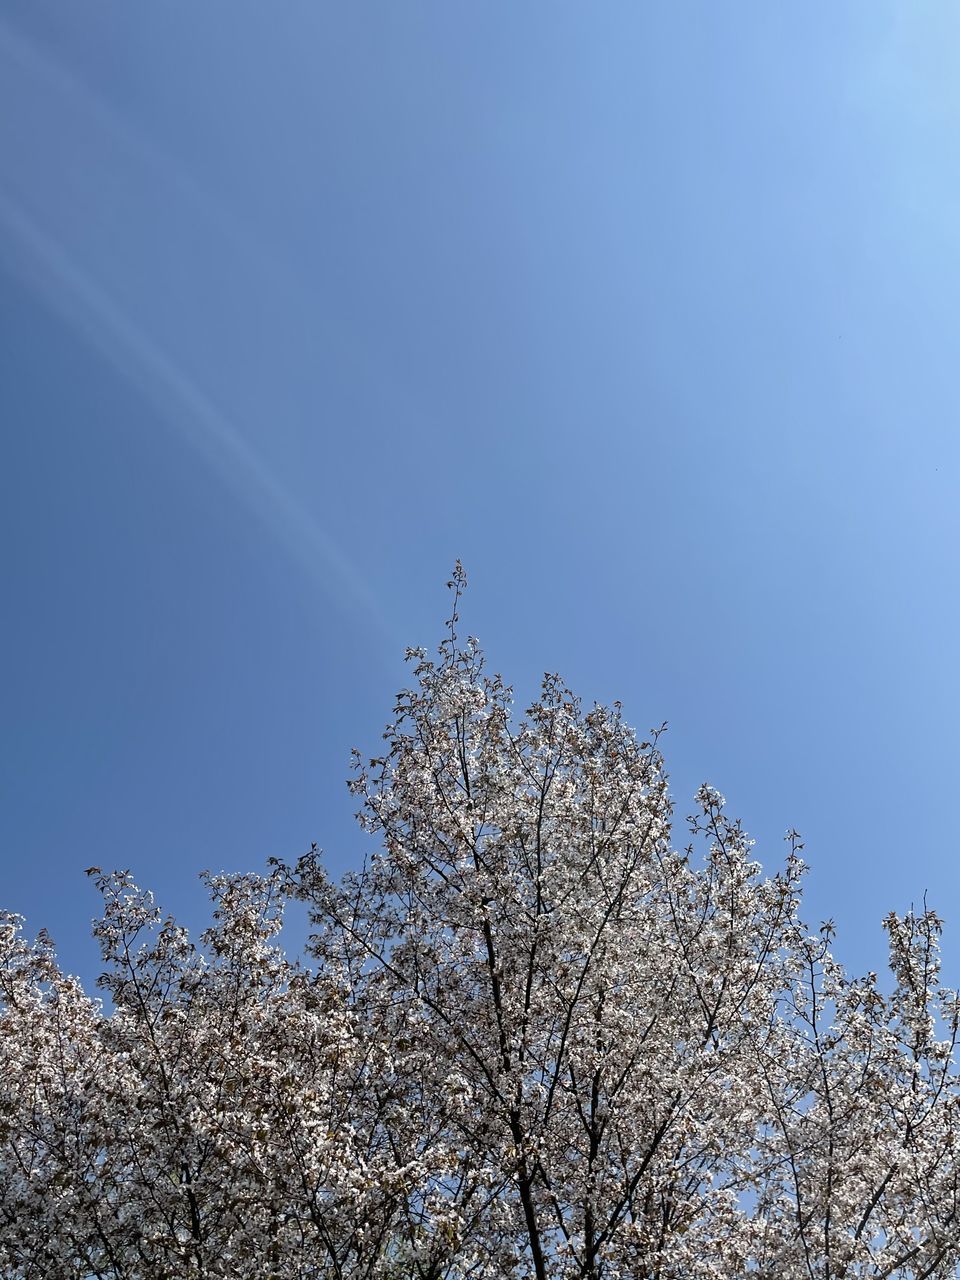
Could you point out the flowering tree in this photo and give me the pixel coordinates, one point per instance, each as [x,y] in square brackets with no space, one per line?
[533,1039]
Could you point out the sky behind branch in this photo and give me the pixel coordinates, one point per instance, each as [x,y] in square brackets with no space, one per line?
[648,313]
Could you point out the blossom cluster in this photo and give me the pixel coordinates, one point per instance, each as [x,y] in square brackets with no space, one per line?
[531,1038]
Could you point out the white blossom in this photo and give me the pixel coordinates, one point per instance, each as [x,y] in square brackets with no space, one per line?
[533,1037]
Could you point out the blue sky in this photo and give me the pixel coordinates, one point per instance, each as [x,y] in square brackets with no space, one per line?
[646,312]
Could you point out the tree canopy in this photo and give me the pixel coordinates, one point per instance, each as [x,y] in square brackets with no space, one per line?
[534,1036]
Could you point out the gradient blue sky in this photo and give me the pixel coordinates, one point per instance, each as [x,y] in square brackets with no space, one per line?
[647,312]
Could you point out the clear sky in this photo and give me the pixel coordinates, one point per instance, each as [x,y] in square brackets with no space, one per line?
[648,312]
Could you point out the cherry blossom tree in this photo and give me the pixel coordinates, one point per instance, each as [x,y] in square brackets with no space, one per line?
[531,1037]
